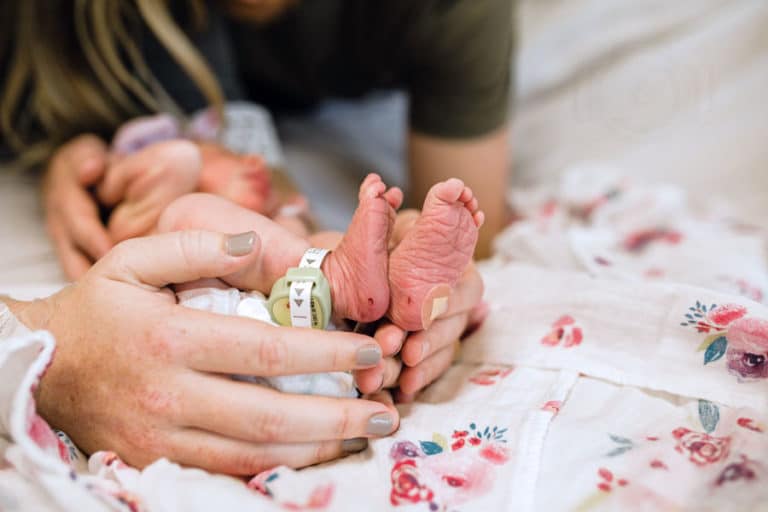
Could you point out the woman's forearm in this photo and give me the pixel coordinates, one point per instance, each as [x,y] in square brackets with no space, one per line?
[33,314]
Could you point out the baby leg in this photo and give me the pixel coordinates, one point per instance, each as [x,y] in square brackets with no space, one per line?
[356,270]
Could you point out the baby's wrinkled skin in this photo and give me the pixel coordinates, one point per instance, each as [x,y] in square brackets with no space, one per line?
[369,279]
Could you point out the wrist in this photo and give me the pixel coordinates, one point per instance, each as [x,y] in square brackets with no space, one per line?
[35,314]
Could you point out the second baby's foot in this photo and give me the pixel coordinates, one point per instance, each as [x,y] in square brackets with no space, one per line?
[433,255]
[357,268]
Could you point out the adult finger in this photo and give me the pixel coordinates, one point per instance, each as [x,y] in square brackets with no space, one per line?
[73,262]
[414,379]
[220,454]
[83,158]
[251,347]
[383,376]
[179,257]
[442,333]
[389,337]
[467,293]
[258,414]
[83,225]
[151,165]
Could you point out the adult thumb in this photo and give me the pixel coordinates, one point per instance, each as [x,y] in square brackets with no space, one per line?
[179,257]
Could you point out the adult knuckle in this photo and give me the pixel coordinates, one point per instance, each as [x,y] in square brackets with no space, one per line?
[269,425]
[324,452]
[272,355]
[249,462]
[158,402]
[191,247]
[342,423]
[163,341]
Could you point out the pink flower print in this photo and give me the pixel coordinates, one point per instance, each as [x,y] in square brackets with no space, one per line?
[111,458]
[128,499]
[458,444]
[747,366]
[320,499]
[702,449]
[726,314]
[566,330]
[457,478]
[654,273]
[641,239]
[405,450]
[750,424]
[495,452]
[657,464]
[43,436]
[259,482]
[489,377]
[749,335]
[746,469]
[605,474]
[747,353]
[607,479]
[406,487]
[552,406]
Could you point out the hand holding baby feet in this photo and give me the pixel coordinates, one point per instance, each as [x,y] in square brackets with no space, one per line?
[433,255]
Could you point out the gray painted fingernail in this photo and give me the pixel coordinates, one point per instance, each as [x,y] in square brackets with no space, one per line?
[241,244]
[380,424]
[368,355]
[355,445]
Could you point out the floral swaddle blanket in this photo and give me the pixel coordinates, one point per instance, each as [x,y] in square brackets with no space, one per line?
[624,366]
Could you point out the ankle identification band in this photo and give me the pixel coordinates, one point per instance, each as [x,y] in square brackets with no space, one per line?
[302,298]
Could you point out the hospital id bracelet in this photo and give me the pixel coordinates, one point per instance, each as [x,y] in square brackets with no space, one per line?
[302,298]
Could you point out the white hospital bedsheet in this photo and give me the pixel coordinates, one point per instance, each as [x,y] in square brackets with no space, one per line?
[588,390]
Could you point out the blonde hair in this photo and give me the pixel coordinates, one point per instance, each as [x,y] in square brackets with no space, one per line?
[73,66]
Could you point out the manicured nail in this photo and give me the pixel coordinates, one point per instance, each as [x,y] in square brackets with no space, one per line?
[368,355]
[355,445]
[241,244]
[380,424]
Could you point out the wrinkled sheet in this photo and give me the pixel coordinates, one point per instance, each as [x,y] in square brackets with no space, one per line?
[595,385]
[600,397]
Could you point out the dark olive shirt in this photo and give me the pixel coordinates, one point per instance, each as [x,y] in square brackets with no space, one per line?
[453,58]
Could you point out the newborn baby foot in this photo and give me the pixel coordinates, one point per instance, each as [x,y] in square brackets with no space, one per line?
[357,268]
[433,255]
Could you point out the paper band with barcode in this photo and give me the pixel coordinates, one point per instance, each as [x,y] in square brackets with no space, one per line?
[303,313]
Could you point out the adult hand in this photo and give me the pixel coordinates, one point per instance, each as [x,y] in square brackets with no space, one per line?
[427,354]
[72,215]
[140,375]
[140,185]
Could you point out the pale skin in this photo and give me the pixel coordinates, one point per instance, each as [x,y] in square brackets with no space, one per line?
[158,367]
[426,354]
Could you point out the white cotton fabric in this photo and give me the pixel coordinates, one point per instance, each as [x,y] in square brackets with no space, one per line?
[584,389]
[230,301]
